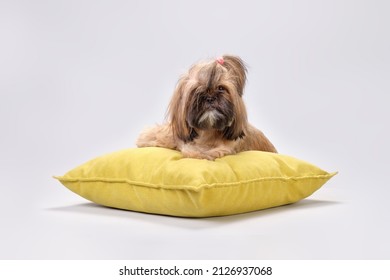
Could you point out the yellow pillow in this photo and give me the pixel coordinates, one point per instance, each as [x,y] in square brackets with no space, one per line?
[161,181]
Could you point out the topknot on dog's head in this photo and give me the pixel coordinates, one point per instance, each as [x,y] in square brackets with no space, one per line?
[236,67]
[228,67]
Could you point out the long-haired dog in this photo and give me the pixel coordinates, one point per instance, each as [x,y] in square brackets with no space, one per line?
[207,117]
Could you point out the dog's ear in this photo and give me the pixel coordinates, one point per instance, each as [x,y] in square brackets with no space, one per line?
[229,133]
[239,125]
[237,68]
[176,113]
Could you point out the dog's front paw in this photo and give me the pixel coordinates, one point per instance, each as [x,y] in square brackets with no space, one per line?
[218,152]
[197,155]
[191,151]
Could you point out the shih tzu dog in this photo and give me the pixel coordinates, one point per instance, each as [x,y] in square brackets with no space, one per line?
[207,118]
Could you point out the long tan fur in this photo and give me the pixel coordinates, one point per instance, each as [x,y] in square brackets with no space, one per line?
[207,117]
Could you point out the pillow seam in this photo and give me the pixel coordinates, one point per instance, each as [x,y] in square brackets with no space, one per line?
[194,188]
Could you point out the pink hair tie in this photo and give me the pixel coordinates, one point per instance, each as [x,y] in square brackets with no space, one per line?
[220,60]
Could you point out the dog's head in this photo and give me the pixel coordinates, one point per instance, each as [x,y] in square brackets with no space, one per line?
[209,97]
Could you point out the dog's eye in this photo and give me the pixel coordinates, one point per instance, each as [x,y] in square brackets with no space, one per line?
[221,88]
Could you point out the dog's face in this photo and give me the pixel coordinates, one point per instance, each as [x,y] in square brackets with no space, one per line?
[209,103]
[209,97]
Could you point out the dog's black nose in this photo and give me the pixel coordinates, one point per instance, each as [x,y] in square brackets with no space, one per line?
[210,99]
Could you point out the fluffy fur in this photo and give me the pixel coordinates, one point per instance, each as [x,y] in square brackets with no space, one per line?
[206,117]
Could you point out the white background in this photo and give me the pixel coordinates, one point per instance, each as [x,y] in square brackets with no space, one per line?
[82,78]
